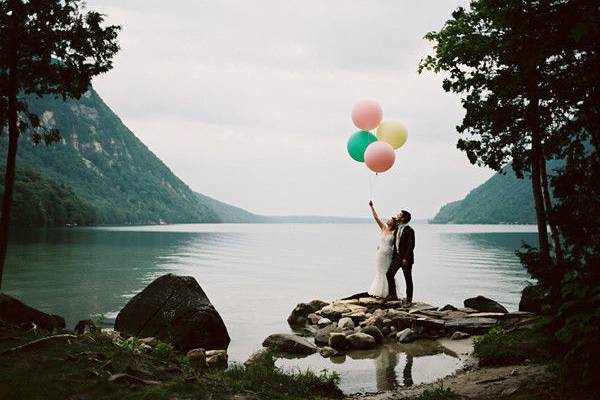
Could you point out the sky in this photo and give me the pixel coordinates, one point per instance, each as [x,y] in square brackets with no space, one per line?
[249,102]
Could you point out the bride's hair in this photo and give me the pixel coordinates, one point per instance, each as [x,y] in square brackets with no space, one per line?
[394,224]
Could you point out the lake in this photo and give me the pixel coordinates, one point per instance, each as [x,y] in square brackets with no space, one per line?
[255,274]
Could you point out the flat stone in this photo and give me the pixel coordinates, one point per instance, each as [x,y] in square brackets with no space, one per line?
[369,302]
[487,315]
[405,336]
[416,307]
[323,322]
[333,312]
[289,343]
[432,313]
[430,323]
[467,310]
[357,316]
[362,341]
[322,335]
[473,326]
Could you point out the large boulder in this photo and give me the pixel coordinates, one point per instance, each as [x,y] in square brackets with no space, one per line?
[323,334]
[361,341]
[174,309]
[483,304]
[300,313]
[16,312]
[289,343]
[373,331]
[533,298]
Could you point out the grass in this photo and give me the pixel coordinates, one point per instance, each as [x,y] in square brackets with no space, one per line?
[502,347]
[438,393]
[80,369]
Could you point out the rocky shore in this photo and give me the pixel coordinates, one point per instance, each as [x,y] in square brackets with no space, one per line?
[361,323]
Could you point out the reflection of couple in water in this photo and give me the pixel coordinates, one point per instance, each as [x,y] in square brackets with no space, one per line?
[385,370]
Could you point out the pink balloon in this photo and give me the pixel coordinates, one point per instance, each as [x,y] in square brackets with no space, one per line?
[367,115]
[380,156]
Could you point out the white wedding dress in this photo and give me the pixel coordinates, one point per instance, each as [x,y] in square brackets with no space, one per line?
[383,258]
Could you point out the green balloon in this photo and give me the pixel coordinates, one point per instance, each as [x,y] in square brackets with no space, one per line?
[357,144]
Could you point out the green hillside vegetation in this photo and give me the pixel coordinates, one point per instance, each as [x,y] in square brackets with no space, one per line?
[113,176]
[502,199]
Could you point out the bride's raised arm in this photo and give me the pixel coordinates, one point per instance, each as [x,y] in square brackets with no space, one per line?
[376,217]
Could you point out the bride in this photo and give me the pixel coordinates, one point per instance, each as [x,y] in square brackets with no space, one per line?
[379,287]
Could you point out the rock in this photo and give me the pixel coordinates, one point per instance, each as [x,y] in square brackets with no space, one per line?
[313,318]
[361,341]
[289,343]
[458,335]
[174,309]
[466,310]
[405,336]
[374,332]
[369,302]
[474,326]
[15,312]
[333,312]
[150,341]
[375,320]
[323,322]
[300,313]
[339,341]
[416,307]
[327,352]
[533,297]
[483,304]
[357,316]
[432,313]
[430,324]
[85,326]
[448,307]
[197,358]
[385,330]
[322,335]
[217,358]
[494,315]
[261,358]
[346,324]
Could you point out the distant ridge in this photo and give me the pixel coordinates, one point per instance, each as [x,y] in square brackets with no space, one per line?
[502,199]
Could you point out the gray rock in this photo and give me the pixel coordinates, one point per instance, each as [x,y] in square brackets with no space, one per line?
[197,358]
[533,297]
[322,335]
[339,341]
[405,336]
[323,322]
[174,309]
[430,324]
[346,323]
[458,335]
[300,313]
[289,343]
[362,341]
[374,332]
[261,358]
[16,312]
[333,312]
[313,318]
[474,326]
[217,358]
[483,304]
[448,307]
[327,352]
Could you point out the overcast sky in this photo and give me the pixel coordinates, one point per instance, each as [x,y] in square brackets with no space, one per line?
[249,101]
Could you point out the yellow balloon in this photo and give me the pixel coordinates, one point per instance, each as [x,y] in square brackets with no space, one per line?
[393,132]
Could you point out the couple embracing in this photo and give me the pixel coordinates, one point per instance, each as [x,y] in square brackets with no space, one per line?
[395,252]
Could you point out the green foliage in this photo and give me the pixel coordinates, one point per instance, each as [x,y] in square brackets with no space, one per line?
[502,347]
[132,345]
[438,393]
[163,350]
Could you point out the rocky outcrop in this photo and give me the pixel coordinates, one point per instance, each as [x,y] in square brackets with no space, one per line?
[15,312]
[299,316]
[289,343]
[533,298]
[483,304]
[174,309]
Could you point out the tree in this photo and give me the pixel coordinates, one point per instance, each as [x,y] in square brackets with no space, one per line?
[497,55]
[46,47]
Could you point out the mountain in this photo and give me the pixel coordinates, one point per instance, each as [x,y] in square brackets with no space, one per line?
[101,173]
[502,199]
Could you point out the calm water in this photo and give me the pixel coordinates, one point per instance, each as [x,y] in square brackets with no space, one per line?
[256,274]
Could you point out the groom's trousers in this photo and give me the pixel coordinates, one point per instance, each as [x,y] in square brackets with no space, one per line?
[391,273]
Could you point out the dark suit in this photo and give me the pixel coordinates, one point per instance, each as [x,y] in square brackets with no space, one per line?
[403,251]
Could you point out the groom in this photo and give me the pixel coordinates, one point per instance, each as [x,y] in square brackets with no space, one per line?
[402,257]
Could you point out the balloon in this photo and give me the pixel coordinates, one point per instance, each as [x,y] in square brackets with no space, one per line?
[393,132]
[380,156]
[357,144]
[367,115]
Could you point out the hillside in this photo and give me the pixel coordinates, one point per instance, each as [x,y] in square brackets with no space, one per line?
[502,199]
[100,169]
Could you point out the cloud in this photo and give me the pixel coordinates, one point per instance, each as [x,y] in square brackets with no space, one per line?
[249,101]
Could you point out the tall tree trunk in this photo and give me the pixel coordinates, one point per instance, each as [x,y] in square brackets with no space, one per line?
[548,205]
[9,177]
[535,159]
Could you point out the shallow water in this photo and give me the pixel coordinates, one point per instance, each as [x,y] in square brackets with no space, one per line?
[255,274]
